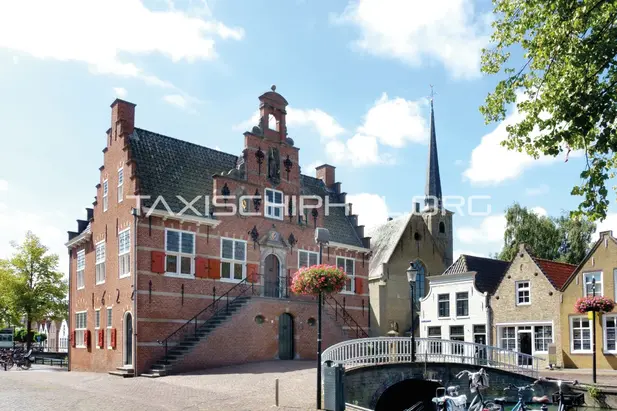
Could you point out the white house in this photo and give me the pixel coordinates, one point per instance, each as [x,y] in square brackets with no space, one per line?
[457,306]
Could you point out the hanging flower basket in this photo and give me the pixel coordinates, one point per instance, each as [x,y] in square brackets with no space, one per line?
[317,279]
[597,304]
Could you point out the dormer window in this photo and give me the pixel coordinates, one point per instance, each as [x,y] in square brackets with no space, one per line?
[274,204]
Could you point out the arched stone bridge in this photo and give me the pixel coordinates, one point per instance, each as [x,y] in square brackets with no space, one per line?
[379,373]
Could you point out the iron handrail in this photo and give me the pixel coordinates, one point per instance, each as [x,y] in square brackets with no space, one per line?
[384,350]
[209,307]
[360,333]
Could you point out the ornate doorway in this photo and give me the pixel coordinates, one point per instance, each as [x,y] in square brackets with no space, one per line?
[286,337]
[272,270]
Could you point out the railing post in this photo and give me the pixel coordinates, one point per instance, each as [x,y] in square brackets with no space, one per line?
[213,298]
[166,361]
[195,326]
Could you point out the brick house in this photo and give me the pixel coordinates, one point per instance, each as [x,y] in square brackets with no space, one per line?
[525,306]
[174,270]
[601,264]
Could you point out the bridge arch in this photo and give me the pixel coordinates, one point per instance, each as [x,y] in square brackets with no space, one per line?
[406,393]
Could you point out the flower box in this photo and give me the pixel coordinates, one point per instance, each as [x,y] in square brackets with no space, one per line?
[590,304]
[318,279]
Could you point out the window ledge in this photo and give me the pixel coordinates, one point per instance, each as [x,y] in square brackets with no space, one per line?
[444,318]
[581,352]
[80,346]
[101,282]
[462,317]
[176,275]
[229,280]
[609,352]
[522,304]
[347,292]
[125,275]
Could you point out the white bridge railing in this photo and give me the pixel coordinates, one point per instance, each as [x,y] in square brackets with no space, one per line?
[395,350]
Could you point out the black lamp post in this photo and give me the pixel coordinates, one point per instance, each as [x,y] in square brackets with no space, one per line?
[593,334]
[412,273]
[322,236]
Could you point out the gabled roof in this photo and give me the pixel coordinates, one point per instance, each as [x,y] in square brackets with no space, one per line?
[384,239]
[169,167]
[489,272]
[593,249]
[557,273]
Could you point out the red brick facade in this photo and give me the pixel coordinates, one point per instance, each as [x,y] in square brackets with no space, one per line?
[164,301]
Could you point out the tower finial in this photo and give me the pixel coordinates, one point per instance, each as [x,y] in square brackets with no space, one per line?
[433,180]
[273,88]
[432,96]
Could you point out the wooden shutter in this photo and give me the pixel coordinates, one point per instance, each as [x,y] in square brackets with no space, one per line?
[87,338]
[74,339]
[252,276]
[214,268]
[158,262]
[359,285]
[201,267]
[100,339]
[113,338]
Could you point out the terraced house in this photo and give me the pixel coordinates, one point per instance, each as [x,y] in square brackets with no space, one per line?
[185,259]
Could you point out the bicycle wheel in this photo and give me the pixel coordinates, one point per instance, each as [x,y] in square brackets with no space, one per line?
[25,365]
[490,406]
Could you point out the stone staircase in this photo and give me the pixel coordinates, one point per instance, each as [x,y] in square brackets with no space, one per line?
[124,372]
[178,351]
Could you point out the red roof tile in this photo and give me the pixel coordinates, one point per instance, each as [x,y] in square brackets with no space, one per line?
[557,273]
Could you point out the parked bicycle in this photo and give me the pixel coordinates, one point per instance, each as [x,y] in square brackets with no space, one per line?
[448,399]
[18,357]
[521,405]
[478,381]
[565,401]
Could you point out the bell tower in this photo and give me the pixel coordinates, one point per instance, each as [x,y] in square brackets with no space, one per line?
[272,109]
[436,217]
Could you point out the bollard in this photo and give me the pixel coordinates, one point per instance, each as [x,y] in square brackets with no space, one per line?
[276,392]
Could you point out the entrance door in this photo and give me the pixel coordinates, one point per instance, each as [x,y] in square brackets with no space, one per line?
[128,339]
[286,337]
[271,277]
[524,346]
[480,349]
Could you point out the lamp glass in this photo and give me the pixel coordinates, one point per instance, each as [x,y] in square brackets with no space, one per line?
[412,273]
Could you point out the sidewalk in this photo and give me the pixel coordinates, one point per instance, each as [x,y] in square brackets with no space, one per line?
[583,375]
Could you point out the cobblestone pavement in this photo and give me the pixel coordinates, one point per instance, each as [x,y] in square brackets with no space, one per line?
[248,387]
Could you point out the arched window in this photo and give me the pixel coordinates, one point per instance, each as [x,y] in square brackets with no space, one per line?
[420,281]
[442,228]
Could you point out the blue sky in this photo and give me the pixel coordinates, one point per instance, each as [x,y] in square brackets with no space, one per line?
[356,73]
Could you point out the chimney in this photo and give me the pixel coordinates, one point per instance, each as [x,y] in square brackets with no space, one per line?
[122,119]
[325,173]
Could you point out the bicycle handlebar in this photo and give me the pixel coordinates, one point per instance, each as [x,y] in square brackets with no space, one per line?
[573,382]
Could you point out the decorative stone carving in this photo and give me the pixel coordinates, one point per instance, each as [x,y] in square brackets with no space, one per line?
[274,164]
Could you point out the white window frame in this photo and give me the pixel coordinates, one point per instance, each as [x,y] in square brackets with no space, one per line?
[308,257]
[591,336]
[180,254]
[109,323]
[124,256]
[599,289]
[105,195]
[351,277]
[448,305]
[463,299]
[81,269]
[97,326]
[100,266]
[503,338]
[534,338]
[518,290]
[605,334]
[270,207]
[120,184]
[80,332]
[232,261]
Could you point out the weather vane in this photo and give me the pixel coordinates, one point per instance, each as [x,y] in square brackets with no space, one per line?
[432,93]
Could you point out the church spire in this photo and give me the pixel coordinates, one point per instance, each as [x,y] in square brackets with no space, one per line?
[433,181]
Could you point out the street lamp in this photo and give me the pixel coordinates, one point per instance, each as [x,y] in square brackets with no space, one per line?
[322,236]
[412,273]
[593,334]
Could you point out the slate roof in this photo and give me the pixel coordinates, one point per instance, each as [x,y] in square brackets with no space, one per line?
[169,167]
[489,272]
[557,273]
[384,239]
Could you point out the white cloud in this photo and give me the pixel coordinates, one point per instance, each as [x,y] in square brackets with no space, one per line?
[491,163]
[99,32]
[608,224]
[457,254]
[537,191]
[539,211]
[371,209]
[4,185]
[120,92]
[394,122]
[176,100]
[490,230]
[445,31]
[309,169]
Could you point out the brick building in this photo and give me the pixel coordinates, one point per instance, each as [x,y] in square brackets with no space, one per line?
[185,260]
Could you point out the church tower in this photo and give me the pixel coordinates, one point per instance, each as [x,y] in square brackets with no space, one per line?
[436,217]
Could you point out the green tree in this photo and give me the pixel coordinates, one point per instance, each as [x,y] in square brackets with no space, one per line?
[562,239]
[568,79]
[34,287]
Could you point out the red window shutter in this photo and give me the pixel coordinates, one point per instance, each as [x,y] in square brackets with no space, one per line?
[87,338]
[158,262]
[113,338]
[252,276]
[201,267]
[74,339]
[100,336]
[214,268]
[359,285]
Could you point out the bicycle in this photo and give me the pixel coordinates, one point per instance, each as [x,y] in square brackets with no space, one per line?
[521,405]
[565,401]
[450,400]
[478,381]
